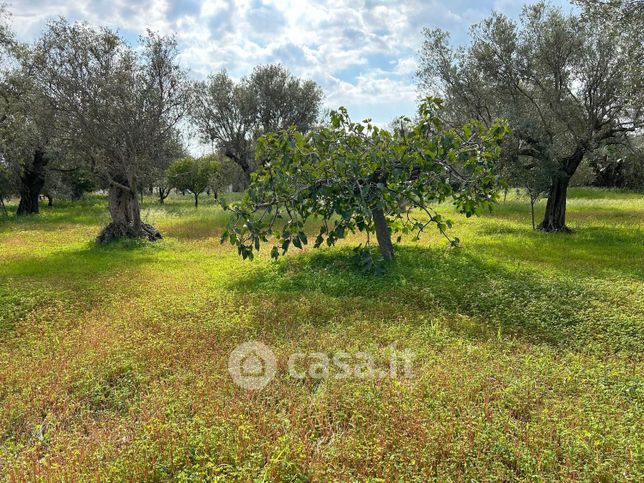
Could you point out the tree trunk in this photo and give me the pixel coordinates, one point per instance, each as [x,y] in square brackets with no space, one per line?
[50,200]
[163,194]
[383,234]
[241,161]
[3,207]
[126,217]
[196,200]
[532,212]
[32,180]
[554,218]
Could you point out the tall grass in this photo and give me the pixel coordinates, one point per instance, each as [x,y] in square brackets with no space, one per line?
[528,351]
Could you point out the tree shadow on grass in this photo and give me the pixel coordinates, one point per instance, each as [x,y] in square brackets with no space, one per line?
[85,277]
[91,211]
[81,265]
[481,298]
[595,251]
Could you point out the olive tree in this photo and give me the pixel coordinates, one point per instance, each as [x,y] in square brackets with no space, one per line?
[117,105]
[28,141]
[172,149]
[568,84]
[356,176]
[224,173]
[192,174]
[7,43]
[6,185]
[231,115]
[79,182]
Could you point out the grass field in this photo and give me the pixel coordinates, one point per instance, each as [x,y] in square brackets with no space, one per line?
[528,351]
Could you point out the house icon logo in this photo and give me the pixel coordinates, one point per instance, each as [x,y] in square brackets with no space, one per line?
[252,365]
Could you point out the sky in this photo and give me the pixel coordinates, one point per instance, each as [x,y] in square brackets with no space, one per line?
[362,52]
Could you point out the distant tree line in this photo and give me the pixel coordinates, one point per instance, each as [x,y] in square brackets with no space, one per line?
[81,109]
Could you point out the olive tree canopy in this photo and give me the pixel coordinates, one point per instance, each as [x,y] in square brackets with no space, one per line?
[192,174]
[568,84]
[233,115]
[116,104]
[29,143]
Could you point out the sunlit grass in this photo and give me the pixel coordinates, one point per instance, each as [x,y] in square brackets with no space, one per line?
[528,351]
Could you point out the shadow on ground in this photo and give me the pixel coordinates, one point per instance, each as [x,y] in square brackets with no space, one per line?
[592,251]
[83,264]
[481,299]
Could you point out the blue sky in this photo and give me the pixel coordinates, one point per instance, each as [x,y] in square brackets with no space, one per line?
[362,52]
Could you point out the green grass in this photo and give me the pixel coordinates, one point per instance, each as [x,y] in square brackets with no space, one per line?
[113,360]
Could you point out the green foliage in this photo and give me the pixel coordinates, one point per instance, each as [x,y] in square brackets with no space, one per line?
[344,172]
[232,115]
[528,351]
[193,174]
[79,182]
[568,83]
[225,173]
[7,186]
[620,166]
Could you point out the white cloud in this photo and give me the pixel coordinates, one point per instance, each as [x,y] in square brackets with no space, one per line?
[362,52]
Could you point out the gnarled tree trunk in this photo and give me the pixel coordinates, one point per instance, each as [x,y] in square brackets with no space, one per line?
[554,218]
[383,234]
[163,194]
[32,181]
[126,216]
[241,161]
